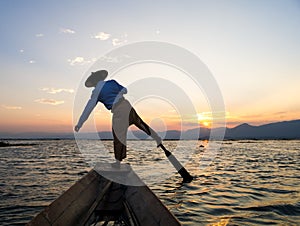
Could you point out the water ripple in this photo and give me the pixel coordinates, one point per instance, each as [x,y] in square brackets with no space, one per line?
[248,183]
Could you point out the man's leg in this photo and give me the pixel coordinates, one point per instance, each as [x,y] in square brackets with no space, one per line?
[120,124]
[135,119]
[119,150]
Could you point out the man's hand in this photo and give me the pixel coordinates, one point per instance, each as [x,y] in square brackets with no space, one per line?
[77,128]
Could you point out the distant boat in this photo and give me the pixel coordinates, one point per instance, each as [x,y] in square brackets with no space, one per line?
[95,199]
[6,144]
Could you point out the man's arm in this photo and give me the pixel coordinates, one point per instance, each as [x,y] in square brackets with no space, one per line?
[87,110]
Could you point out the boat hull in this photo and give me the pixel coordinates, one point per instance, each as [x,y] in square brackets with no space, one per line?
[94,198]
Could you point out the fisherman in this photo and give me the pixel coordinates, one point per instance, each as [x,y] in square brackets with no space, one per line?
[110,93]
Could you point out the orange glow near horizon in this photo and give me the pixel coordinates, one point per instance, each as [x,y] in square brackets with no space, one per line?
[54,119]
[16,126]
[205,118]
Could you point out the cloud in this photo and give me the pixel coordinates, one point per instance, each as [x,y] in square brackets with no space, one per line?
[102,36]
[21,50]
[80,61]
[250,116]
[54,91]
[280,112]
[67,31]
[32,61]
[120,41]
[117,42]
[11,107]
[109,59]
[216,115]
[116,59]
[40,35]
[49,101]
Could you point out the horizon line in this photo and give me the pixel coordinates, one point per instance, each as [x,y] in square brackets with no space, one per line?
[161,131]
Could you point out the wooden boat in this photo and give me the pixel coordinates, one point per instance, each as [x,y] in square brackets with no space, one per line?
[100,201]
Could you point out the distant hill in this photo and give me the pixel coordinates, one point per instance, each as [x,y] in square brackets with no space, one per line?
[278,130]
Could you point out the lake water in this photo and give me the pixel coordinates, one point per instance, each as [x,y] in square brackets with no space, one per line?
[246,183]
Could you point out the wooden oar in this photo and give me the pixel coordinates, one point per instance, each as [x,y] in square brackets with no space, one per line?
[180,169]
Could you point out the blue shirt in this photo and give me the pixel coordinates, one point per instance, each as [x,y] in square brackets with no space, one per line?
[107,92]
[110,93]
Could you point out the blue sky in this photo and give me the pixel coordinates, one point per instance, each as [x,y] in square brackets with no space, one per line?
[251,47]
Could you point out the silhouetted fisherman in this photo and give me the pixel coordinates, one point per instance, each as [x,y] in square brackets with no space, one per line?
[110,93]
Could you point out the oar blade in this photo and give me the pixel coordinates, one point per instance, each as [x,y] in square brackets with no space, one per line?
[187,178]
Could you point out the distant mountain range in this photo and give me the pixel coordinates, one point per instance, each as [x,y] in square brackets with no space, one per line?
[278,130]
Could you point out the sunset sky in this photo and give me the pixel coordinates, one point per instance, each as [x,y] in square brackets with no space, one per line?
[252,48]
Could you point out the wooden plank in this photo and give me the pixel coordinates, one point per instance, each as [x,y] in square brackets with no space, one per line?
[96,202]
[148,209]
[74,204]
[121,176]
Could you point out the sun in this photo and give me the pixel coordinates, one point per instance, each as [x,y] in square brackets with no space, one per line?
[205,118]
[205,123]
